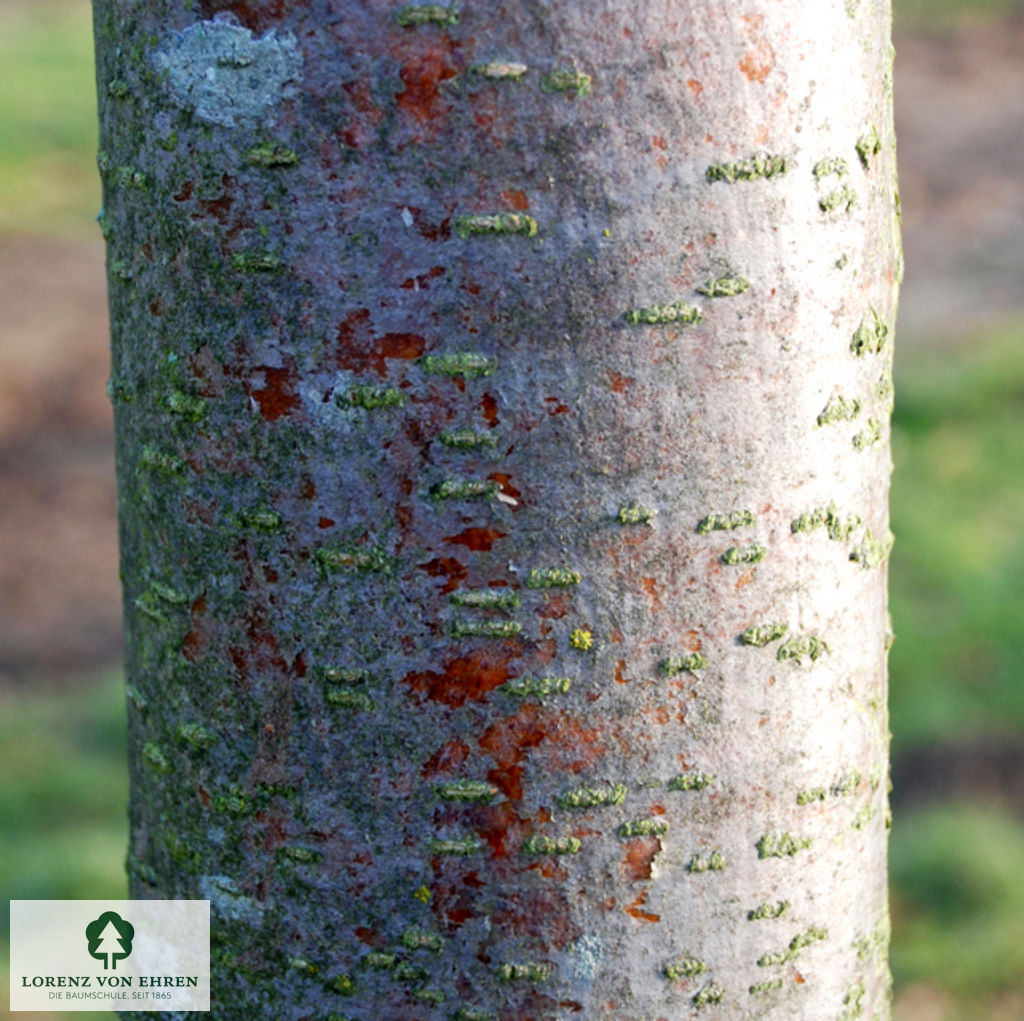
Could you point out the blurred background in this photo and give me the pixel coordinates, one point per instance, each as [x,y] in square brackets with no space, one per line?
[958,499]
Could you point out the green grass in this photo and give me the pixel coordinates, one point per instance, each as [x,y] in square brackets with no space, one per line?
[63,790]
[958,902]
[958,508]
[48,178]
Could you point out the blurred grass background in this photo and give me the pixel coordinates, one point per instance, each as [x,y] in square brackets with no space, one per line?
[957,599]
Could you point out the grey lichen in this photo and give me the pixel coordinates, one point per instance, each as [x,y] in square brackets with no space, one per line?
[222,73]
[781,845]
[634,514]
[763,911]
[566,81]
[695,781]
[420,939]
[487,599]
[413,15]
[709,996]
[839,409]
[524,972]
[271,155]
[496,70]
[688,967]
[371,397]
[752,554]
[466,791]
[761,635]
[552,577]
[643,828]
[725,521]
[758,166]
[484,628]
[464,489]
[354,559]
[681,664]
[870,336]
[713,862]
[538,846]
[796,944]
[539,687]
[831,166]
[663,315]
[495,224]
[467,439]
[839,199]
[348,698]
[871,552]
[828,517]
[724,287]
[868,146]
[805,645]
[593,797]
[460,847]
[468,364]
[257,262]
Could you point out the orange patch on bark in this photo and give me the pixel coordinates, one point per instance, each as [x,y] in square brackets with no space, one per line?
[445,567]
[619,383]
[476,539]
[516,199]
[466,678]
[639,860]
[635,909]
[422,77]
[489,409]
[650,586]
[757,62]
[555,606]
[694,86]
[620,677]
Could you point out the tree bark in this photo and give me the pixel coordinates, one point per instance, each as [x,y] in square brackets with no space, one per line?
[502,397]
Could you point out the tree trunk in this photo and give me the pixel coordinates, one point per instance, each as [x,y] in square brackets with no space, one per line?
[502,398]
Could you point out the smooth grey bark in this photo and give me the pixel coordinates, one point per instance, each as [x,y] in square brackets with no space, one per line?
[502,398]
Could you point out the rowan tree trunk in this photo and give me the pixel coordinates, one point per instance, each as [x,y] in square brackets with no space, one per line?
[502,398]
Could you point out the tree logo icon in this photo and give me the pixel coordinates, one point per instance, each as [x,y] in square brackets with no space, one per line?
[110,939]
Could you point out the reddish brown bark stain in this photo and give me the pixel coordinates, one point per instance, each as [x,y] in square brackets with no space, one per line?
[360,351]
[639,861]
[325,523]
[194,643]
[489,409]
[422,282]
[361,129]
[757,62]
[371,937]
[448,759]
[694,86]
[501,827]
[477,539]
[555,606]
[277,396]
[504,481]
[446,567]
[507,742]
[466,678]
[422,76]
[516,199]
[543,915]
[635,910]
[620,676]
[619,383]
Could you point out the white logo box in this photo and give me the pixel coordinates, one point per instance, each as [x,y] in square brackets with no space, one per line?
[136,955]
